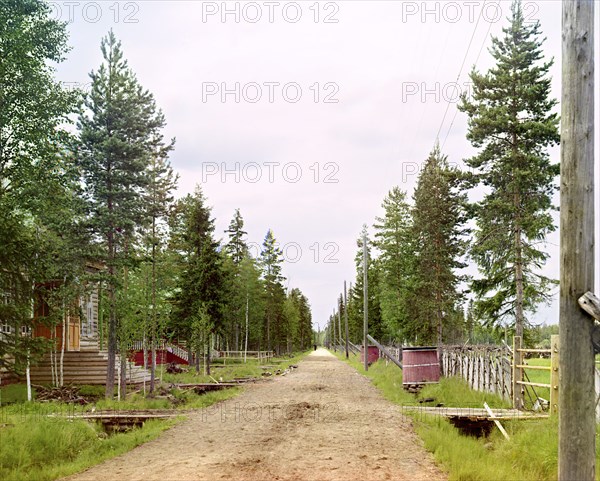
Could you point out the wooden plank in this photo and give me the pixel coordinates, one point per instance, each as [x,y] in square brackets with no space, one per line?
[385,351]
[539,368]
[496,421]
[590,304]
[534,384]
[554,375]
[517,373]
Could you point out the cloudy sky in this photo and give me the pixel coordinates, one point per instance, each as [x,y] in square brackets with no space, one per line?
[305,114]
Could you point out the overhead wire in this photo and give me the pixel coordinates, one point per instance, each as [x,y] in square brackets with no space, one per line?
[461,69]
[476,60]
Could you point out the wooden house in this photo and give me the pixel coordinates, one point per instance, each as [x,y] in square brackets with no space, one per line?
[83,360]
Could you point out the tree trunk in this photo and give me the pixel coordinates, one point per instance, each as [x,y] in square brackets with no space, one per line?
[519,314]
[123,382]
[62,349]
[153,367]
[440,318]
[112,325]
[207,358]
[153,327]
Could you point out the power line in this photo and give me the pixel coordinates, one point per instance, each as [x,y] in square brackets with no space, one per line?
[461,68]
[476,60]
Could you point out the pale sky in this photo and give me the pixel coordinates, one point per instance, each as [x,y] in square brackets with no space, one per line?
[305,114]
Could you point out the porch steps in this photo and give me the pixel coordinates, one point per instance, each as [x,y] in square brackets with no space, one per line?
[85,367]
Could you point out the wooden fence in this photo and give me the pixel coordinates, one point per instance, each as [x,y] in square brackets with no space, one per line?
[503,371]
[485,368]
[262,356]
[519,370]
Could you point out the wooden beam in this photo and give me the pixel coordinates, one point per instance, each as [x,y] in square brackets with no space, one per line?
[554,373]
[385,351]
[496,422]
[517,373]
[590,304]
[365,303]
[576,415]
[346,320]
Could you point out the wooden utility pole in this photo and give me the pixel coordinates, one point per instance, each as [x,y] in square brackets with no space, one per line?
[365,305]
[334,336]
[339,316]
[346,318]
[576,410]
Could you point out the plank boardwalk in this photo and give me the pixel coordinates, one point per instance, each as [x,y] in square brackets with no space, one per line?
[476,413]
[322,422]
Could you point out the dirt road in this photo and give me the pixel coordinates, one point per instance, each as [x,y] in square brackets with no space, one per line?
[322,422]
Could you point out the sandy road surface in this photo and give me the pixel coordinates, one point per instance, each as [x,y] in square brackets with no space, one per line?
[322,422]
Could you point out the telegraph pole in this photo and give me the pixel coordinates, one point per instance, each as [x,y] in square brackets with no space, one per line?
[576,411]
[334,336]
[346,319]
[339,316]
[365,305]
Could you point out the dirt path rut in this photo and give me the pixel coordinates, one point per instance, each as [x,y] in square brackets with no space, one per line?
[322,422]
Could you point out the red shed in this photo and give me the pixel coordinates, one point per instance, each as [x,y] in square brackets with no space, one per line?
[421,365]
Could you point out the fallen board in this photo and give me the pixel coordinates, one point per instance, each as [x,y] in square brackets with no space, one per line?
[207,386]
[474,421]
[115,421]
[475,414]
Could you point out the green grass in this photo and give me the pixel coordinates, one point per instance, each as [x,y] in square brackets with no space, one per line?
[536,375]
[37,447]
[451,392]
[40,448]
[234,369]
[530,454]
[14,393]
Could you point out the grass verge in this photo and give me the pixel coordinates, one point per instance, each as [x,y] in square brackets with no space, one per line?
[36,447]
[531,453]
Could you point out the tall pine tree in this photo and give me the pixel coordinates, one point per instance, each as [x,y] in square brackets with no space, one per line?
[510,120]
[271,258]
[158,200]
[118,129]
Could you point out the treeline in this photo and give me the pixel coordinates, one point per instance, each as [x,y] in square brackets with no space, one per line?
[87,200]
[412,263]
[417,290]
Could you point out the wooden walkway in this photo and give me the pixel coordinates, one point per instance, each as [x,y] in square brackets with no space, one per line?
[476,414]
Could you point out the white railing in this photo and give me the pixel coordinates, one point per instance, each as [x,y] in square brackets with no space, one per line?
[177,350]
[162,346]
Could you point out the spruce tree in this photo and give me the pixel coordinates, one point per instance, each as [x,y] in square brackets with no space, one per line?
[237,247]
[117,130]
[235,251]
[392,239]
[439,244]
[511,122]
[271,258]
[198,298]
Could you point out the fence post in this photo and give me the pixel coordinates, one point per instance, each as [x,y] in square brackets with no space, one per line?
[555,358]
[517,373]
